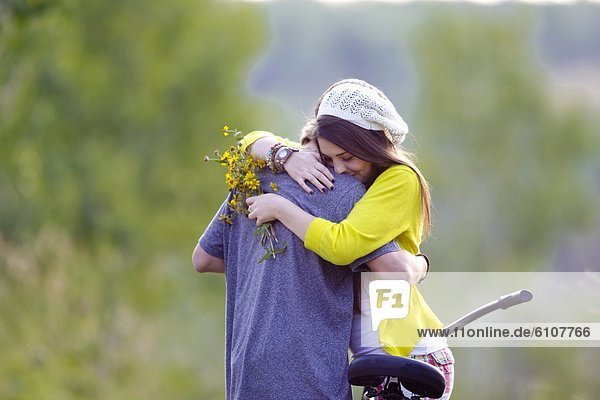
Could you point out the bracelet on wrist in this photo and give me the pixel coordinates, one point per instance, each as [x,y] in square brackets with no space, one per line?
[271,155]
[426,262]
[279,155]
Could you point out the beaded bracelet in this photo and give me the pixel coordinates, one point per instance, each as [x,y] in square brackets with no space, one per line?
[270,157]
[278,155]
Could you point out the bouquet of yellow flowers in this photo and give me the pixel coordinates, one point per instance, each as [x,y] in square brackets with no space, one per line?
[243,182]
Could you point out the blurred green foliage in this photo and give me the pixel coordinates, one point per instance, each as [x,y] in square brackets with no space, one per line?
[108,106]
[107,109]
[512,168]
[512,175]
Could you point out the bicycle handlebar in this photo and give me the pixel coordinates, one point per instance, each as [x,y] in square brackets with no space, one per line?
[512,299]
[503,302]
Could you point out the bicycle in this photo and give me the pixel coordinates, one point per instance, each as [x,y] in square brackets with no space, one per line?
[418,377]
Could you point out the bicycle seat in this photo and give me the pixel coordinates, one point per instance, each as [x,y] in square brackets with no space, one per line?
[416,376]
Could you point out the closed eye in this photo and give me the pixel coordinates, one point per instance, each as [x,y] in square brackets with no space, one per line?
[326,160]
[347,158]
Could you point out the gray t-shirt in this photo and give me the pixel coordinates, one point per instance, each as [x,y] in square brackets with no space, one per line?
[288,319]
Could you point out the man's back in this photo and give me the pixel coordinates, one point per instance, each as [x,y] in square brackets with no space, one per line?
[288,319]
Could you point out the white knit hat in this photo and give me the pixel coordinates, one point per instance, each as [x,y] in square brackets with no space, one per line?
[364,105]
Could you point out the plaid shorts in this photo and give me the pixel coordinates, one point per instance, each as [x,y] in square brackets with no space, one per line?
[442,360]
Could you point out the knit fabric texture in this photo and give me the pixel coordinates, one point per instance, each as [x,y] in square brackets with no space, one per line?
[364,105]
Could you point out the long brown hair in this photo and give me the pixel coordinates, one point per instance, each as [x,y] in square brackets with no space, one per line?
[374,147]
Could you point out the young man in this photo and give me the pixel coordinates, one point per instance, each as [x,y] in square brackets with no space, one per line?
[288,319]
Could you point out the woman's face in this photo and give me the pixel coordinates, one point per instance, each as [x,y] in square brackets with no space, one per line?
[344,162]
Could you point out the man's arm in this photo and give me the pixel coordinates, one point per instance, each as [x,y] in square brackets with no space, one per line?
[209,255]
[204,262]
[413,268]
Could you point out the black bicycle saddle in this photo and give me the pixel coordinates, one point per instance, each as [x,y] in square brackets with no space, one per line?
[416,376]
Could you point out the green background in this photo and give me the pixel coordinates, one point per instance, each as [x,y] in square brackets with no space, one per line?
[108,107]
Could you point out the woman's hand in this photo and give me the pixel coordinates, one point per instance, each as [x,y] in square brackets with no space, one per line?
[264,208]
[270,207]
[305,165]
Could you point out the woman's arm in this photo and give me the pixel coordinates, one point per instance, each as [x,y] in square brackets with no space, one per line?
[302,166]
[391,209]
[259,142]
[270,207]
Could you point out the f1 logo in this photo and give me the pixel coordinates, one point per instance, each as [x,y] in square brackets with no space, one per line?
[388,299]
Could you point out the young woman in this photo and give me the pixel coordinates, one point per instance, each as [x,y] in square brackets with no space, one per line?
[358,131]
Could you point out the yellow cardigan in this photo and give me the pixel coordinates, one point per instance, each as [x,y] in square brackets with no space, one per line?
[389,210]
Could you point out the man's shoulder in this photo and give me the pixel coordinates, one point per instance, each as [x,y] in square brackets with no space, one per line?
[345,181]
[333,205]
[344,186]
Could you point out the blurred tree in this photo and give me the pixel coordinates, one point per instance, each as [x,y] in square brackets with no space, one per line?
[512,176]
[507,165]
[108,106]
[107,109]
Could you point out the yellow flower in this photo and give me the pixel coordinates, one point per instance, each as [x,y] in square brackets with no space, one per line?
[226,218]
[230,180]
[242,181]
